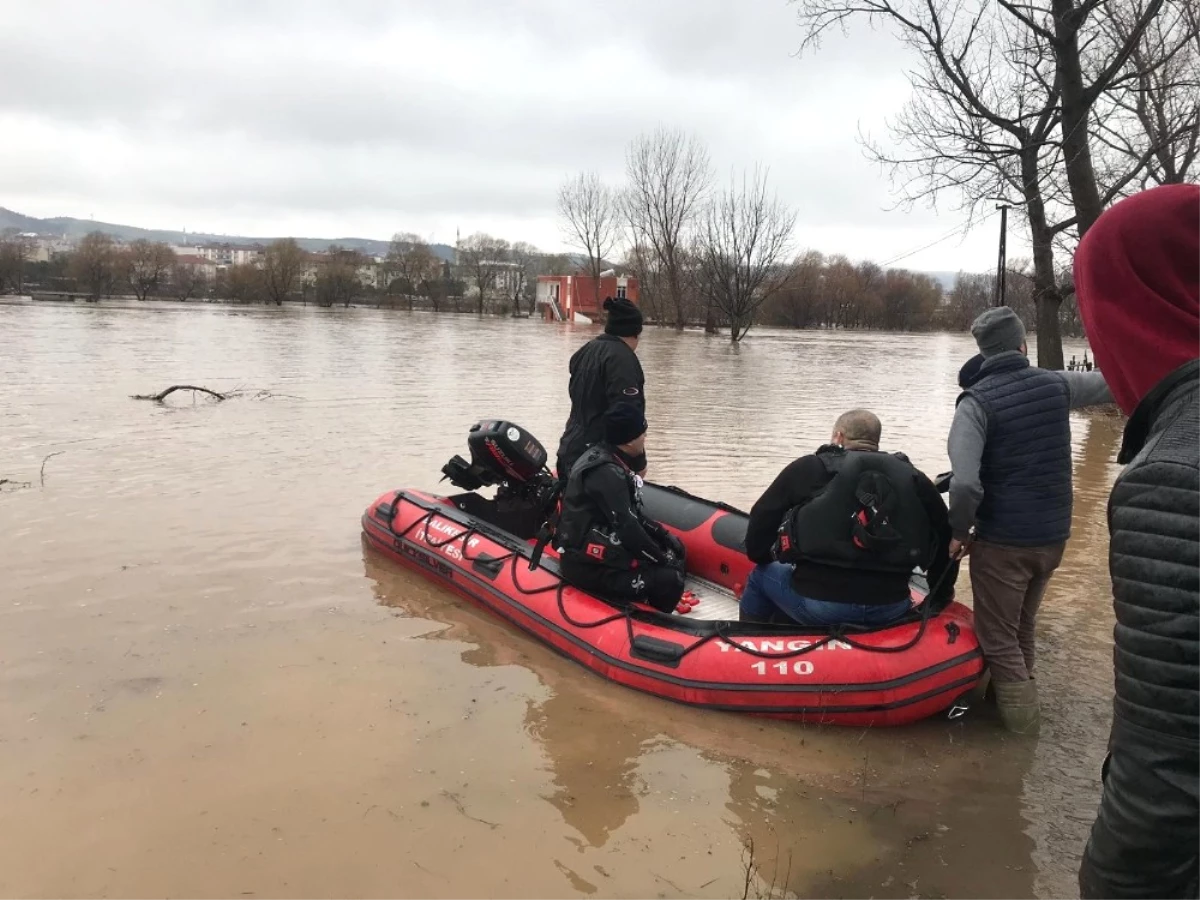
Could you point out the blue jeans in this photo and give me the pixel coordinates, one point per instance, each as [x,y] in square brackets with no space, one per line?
[769,588]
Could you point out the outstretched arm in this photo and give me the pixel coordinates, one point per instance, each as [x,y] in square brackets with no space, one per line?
[1087,389]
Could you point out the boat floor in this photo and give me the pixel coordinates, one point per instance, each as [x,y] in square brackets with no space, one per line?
[716,604]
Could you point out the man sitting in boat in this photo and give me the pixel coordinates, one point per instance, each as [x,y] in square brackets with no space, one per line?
[838,533]
[608,548]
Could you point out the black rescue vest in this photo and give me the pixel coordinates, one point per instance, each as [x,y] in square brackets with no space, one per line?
[869,516]
[582,528]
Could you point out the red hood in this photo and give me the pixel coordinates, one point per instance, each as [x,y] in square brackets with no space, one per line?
[1137,274]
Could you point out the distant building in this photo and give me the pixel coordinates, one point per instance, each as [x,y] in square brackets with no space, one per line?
[505,278]
[205,267]
[43,247]
[370,274]
[225,254]
[563,297]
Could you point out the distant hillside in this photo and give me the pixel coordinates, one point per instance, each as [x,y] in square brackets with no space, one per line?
[76,228]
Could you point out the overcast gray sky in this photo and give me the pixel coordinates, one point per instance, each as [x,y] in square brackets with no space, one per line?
[363,118]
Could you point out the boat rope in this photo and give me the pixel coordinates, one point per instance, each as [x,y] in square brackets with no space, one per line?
[720,632]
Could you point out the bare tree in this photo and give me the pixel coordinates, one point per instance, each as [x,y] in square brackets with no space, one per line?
[338,279]
[187,280]
[94,264]
[642,261]
[480,256]
[1148,123]
[669,180]
[1001,102]
[14,253]
[283,261]
[242,283]
[410,263]
[591,220]
[744,242]
[526,258]
[146,264]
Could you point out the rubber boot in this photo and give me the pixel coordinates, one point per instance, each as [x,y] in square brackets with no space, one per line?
[1018,702]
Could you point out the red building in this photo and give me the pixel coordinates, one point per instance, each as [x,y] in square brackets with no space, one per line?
[566,297]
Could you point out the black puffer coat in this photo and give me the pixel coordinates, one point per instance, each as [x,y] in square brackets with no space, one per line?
[1144,842]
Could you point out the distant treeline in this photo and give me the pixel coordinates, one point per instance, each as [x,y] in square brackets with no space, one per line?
[495,278]
[817,291]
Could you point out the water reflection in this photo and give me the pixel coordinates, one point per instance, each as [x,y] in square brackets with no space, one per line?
[866,822]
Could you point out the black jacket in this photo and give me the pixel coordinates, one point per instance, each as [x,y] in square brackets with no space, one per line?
[1144,841]
[604,371]
[798,483]
[602,520]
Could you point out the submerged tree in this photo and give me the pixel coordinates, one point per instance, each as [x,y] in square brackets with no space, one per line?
[337,280]
[744,240]
[15,250]
[187,280]
[94,264]
[283,262]
[480,256]
[525,259]
[146,265]
[410,263]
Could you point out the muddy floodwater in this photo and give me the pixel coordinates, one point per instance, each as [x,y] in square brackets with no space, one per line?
[209,688]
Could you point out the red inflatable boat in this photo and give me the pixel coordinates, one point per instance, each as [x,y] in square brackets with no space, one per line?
[485,550]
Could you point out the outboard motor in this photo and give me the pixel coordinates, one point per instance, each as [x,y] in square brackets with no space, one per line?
[504,454]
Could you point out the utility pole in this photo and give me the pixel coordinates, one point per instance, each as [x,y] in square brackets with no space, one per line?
[1001,264]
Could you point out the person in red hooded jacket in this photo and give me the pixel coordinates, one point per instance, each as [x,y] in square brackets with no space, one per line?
[1137,274]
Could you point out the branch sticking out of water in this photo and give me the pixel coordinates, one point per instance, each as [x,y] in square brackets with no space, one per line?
[12,484]
[162,395]
[228,395]
[46,459]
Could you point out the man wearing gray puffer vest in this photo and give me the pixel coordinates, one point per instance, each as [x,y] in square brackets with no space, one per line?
[1010,452]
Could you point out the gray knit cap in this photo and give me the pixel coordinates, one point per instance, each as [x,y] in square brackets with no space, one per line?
[998,330]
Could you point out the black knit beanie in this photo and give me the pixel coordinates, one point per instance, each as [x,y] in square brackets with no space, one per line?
[623,423]
[624,319]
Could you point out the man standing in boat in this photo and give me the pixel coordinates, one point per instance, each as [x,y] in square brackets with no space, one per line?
[607,546]
[1010,497]
[838,533]
[604,371]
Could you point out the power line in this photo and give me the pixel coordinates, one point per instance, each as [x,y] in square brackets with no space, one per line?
[961,229]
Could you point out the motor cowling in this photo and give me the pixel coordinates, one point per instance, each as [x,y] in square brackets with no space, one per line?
[501,453]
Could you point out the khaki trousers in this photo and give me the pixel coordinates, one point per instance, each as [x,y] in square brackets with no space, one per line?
[1008,584]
